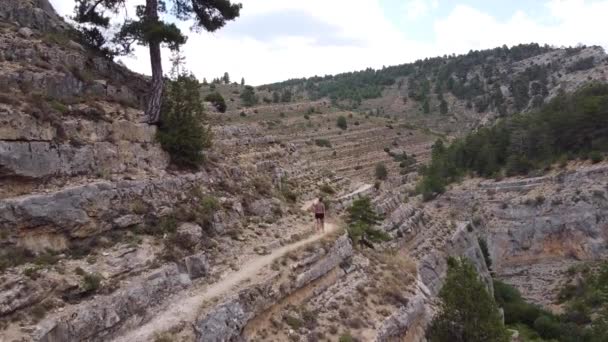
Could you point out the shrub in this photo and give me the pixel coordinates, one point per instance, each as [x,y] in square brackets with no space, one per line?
[547,327]
[341,122]
[326,188]
[381,172]
[483,245]
[91,282]
[323,143]
[467,311]
[293,322]
[217,100]
[288,193]
[182,132]
[346,337]
[361,221]
[596,157]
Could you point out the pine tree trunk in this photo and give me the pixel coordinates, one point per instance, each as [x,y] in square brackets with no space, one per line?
[156,90]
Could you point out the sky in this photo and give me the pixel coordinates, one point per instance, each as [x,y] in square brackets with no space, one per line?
[275,40]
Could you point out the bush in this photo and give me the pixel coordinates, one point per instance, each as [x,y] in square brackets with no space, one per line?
[361,221]
[323,143]
[547,327]
[341,122]
[483,245]
[381,172]
[217,100]
[346,337]
[326,188]
[467,311]
[91,282]
[182,132]
[596,157]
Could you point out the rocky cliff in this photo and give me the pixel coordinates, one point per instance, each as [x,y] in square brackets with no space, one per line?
[101,239]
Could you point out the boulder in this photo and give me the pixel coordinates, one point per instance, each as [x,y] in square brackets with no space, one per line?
[25,32]
[197,265]
[193,231]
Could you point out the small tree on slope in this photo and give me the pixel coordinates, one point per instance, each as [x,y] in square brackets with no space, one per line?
[467,312]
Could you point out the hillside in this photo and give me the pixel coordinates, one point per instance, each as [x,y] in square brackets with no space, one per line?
[454,94]
[103,239]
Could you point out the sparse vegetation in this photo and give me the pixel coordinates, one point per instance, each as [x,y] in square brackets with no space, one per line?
[323,143]
[91,282]
[380,171]
[341,123]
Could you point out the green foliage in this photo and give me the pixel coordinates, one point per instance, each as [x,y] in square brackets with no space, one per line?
[596,157]
[249,97]
[380,171]
[483,245]
[450,73]
[585,316]
[217,100]
[286,96]
[570,124]
[323,143]
[426,108]
[361,222]
[443,107]
[182,132]
[91,282]
[467,311]
[276,97]
[346,337]
[581,64]
[93,17]
[341,122]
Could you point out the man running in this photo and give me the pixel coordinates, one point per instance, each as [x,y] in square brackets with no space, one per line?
[319,210]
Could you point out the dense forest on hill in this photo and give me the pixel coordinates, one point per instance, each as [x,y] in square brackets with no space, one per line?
[570,126]
[438,75]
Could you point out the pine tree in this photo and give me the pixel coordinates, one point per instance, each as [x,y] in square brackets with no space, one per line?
[149,29]
[243,81]
[361,222]
[443,107]
[426,108]
[467,312]
[249,97]
[182,131]
[226,78]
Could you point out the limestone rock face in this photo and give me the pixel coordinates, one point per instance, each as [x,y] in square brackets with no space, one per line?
[102,318]
[87,210]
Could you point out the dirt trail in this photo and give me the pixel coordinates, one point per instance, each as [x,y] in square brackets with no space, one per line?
[362,188]
[185,308]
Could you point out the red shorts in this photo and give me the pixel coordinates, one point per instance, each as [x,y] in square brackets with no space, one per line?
[319,216]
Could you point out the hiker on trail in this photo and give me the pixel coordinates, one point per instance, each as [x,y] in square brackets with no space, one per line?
[319,210]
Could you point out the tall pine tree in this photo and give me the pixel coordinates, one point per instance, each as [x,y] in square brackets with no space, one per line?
[149,29]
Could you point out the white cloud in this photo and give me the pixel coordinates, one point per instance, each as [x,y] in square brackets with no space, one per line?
[571,22]
[378,41]
[415,9]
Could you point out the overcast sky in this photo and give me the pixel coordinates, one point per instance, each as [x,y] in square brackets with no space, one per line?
[275,40]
